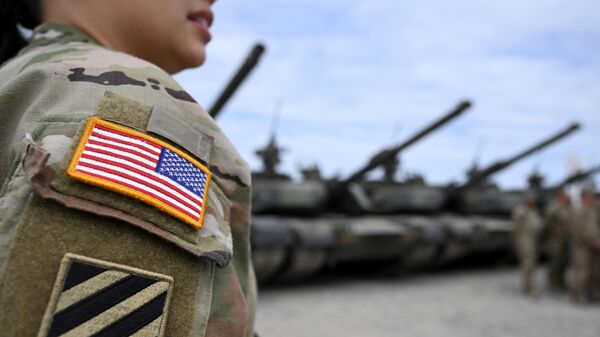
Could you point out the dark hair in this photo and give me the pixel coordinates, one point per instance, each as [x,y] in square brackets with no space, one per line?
[12,14]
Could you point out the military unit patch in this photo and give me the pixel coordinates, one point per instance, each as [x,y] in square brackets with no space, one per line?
[132,163]
[96,298]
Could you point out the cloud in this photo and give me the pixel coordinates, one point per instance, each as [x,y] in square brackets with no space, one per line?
[349,71]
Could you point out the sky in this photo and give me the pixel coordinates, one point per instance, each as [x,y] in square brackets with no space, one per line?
[352,77]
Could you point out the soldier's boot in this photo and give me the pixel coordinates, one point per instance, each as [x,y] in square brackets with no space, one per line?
[528,289]
[556,283]
[594,294]
[578,293]
[594,281]
[577,298]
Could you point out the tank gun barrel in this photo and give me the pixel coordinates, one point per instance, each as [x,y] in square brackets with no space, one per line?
[577,176]
[503,164]
[251,61]
[388,154]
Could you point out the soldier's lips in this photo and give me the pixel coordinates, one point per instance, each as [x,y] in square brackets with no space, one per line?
[202,20]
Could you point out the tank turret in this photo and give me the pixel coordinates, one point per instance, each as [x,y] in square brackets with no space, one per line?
[480,176]
[276,193]
[306,209]
[389,154]
[271,158]
[355,195]
[576,177]
[478,196]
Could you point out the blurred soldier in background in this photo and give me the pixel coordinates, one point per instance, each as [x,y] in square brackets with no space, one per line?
[558,219]
[526,224]
[585,244]
[595,272]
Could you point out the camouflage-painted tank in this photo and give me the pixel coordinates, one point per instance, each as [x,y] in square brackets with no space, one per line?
[453,222]
[302,227]
[285,244]
[408,205]
[408,224]
[486,206]
[479,196]
[329,221]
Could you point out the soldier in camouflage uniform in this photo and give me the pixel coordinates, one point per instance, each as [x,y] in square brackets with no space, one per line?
[595,274]
[526,222]
[558,218]
[124,209]
[585,246]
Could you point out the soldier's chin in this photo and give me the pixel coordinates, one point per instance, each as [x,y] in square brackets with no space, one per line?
[188,62]
[197,59]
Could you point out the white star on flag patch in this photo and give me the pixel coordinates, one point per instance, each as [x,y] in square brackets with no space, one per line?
[134,164]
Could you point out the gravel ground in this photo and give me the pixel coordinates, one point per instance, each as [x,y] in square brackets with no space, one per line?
[477,303]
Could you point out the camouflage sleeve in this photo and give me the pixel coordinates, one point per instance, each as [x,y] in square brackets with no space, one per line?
[47,94]
[591,233]
[550,221]
[548,213]
[516,223]
[585,230]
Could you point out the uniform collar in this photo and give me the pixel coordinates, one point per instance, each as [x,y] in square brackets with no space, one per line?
[54,33]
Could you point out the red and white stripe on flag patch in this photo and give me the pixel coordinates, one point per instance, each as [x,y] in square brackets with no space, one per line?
[132,163]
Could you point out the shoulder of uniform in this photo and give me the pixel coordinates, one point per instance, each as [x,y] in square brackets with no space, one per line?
[89,62]
[82,54]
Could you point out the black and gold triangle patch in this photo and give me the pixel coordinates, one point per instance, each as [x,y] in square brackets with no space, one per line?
[99,298]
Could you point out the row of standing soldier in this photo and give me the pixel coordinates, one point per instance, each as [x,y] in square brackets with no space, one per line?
[572,237]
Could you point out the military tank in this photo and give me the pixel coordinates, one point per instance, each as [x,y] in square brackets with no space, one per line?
[487,207]
[452,221]
[479,196]
[289,248]
[329,220]
[441,226]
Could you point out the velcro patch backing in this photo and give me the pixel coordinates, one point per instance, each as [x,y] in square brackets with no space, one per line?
[98,298]
[134,164]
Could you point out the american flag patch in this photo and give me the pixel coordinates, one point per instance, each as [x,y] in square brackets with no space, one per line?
[134,164]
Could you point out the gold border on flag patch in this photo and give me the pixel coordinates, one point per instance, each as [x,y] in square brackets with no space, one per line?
[139,166]
[101,298]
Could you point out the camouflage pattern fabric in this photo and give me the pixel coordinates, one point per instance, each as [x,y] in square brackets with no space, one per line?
[558,218]
[526,223]
[595,275]
[47,93]
[584,235]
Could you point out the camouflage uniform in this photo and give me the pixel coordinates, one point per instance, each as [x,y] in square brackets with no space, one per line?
[558,219]
[526,223]
[584,235]
[66,245]
[595,274]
